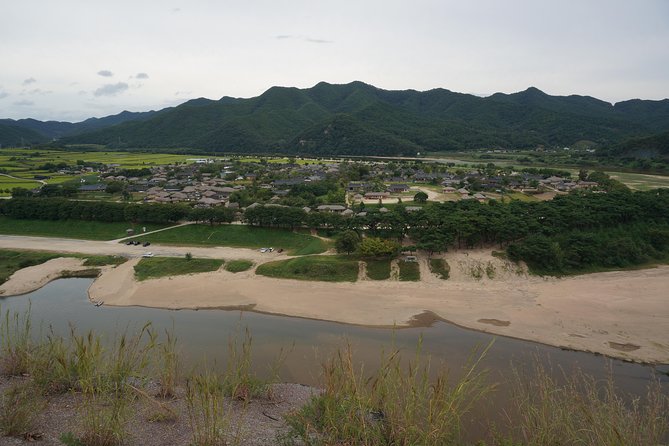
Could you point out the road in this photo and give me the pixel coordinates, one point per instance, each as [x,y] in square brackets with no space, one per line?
[96,247]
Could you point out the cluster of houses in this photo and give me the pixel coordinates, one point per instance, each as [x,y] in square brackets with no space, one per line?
[198,183]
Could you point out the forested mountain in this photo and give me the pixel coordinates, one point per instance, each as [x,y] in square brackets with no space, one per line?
[361,119]
[58,129]
[655,146]
[13,135]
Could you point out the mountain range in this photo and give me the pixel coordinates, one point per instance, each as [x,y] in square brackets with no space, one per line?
[360,119]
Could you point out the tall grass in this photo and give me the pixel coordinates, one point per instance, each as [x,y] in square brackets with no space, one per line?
[394,405]
[585,411]
[209,414]
[19,406]
[15,330]
[168,364]
[106,379]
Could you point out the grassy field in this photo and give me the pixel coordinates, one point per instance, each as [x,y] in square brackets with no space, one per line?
[240,236]
[87,230]
[320,268]
[640,181]
[440,267]
[378,269]
[7,184]
[154,267]
[237,266]
[409,271]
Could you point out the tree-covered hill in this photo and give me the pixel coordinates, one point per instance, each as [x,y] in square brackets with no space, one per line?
[358,118]
[58,129]
[13,135]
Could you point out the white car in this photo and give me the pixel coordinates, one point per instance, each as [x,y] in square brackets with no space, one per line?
[264,249]
[147,254]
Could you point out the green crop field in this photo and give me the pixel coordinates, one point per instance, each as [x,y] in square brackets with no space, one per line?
[240,236]
[7,184]
[87,230]
[640,181]
[318,268]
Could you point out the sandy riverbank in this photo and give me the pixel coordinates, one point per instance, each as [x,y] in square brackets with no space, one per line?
[624,314]
[35,277]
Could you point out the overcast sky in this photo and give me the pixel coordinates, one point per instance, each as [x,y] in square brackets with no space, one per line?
[73,59]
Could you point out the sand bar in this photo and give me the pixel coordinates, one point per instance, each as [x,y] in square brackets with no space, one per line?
[622,314]
[35,277]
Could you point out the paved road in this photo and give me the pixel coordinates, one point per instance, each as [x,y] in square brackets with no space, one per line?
[109,247]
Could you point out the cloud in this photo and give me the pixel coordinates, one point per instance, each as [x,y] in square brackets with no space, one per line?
[309,39]
[141,76]
[303,38]
[105,73]
[3,94]
[38,91]
[30,80]
[24,103]
[111,89]
[183,93]
[175,10]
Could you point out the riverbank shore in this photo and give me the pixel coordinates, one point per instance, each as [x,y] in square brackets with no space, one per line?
[622,314]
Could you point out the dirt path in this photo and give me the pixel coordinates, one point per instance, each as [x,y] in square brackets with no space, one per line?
[362,271]
[150,232]
[104,247]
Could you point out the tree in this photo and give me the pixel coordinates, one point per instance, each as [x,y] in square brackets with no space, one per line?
[420,197]
[378,247]
[347,242]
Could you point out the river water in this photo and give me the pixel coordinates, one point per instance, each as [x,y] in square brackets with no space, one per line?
[206,333]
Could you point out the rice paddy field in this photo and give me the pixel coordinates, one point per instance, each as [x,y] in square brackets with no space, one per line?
[640,181]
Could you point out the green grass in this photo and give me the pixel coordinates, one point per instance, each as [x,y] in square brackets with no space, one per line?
[320,268]
[102,260]
[87,230]
[12,261]
[237,266]
[409,271]
[378,269]
[640,181]
[154,267]
[240,236]
[440,267]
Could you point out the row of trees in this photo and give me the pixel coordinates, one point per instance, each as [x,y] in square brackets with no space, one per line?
[62,209]
[569,233]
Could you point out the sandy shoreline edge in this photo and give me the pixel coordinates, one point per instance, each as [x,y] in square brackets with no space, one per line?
[621,314]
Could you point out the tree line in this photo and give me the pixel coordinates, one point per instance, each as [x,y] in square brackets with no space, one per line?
[63,209]
[569,233]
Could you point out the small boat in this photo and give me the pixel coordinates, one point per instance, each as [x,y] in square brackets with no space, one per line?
[98,304]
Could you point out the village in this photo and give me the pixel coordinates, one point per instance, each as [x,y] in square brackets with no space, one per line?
[329,185]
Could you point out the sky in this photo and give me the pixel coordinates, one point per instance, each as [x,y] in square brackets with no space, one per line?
[69,60]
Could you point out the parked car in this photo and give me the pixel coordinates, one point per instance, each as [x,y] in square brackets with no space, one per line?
[147,254]
[129,242]
[136,243]
[145,244]
[264,249]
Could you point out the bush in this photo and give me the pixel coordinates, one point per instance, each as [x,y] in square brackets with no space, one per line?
[378,247]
